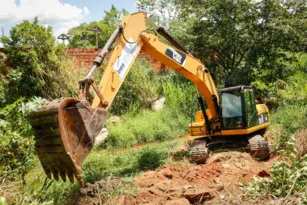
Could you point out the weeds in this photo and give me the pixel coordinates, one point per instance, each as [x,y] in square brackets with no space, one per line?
[287,120]
[286,178]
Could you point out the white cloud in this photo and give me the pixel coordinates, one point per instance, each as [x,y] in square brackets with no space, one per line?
[86,11]
[49,12]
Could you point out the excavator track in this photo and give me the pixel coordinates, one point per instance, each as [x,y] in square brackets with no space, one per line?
[259,147]
[64,131]
[199,152]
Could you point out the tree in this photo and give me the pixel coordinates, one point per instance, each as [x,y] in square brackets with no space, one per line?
[36,65]
[84,36]
[30,51]
[236,38]
[160,11]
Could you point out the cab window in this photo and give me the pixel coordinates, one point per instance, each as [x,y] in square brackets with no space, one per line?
[232,110]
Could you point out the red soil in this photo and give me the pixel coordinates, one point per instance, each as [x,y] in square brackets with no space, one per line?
[196,184]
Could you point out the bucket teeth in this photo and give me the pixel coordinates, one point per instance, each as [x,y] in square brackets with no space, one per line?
[70,177]
[56,175]
[48,173]
[64,130]
[63,176]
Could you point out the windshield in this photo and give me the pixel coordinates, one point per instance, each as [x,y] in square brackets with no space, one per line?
[232,110]
[232,105]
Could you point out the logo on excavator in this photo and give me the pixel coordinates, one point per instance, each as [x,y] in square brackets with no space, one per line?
[175,55]
[125,59]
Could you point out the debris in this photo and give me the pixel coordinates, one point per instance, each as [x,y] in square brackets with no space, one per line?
[158,104]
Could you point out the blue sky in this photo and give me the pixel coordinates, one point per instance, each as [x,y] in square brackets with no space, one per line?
[60,14]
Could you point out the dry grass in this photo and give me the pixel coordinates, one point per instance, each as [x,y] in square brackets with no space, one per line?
[68,75]
[301,143]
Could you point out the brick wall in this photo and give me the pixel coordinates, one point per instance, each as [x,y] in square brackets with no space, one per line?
[84,57]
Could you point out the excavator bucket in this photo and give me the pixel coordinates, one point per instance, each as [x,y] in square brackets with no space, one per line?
[65,130]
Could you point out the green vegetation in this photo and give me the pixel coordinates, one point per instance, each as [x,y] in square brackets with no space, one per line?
[37,66]
[134,93]
[120,162]
[147,126]
[16,139]
[261,43]
[33,65]
[288,177]
[84,36]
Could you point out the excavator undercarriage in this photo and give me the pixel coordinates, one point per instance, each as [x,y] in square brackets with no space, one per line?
[255,144]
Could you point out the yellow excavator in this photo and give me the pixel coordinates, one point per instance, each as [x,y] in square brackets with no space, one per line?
[65,128]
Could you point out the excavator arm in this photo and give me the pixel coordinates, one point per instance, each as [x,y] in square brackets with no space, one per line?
[65,128]
[130,38]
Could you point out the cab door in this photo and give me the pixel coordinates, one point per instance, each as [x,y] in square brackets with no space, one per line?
[250,110]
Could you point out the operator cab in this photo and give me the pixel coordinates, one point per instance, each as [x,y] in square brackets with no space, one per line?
[238,107]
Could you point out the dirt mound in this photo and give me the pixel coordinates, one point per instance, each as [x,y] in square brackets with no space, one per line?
[194,184]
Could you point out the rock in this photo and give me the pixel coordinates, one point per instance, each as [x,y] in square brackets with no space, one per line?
[263,173]
[114,119]
[102,136]
[168,174]
[198,196]
[158,104]
[226,166]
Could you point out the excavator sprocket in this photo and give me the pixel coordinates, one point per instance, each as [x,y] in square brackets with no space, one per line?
[198,152]
[259,147]
[64,131]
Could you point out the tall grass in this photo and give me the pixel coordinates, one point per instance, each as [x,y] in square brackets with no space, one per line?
[289,123]
[291,114]
[126,163]
[140,87]
[180,96]
[147,126]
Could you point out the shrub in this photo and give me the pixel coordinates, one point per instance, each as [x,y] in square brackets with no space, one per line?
[17,141]
[294,90]
[150,158]
[37,67]
[16,152]
[290,118]
[138,90]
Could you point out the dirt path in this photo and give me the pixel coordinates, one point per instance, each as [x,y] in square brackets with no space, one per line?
[217,182]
